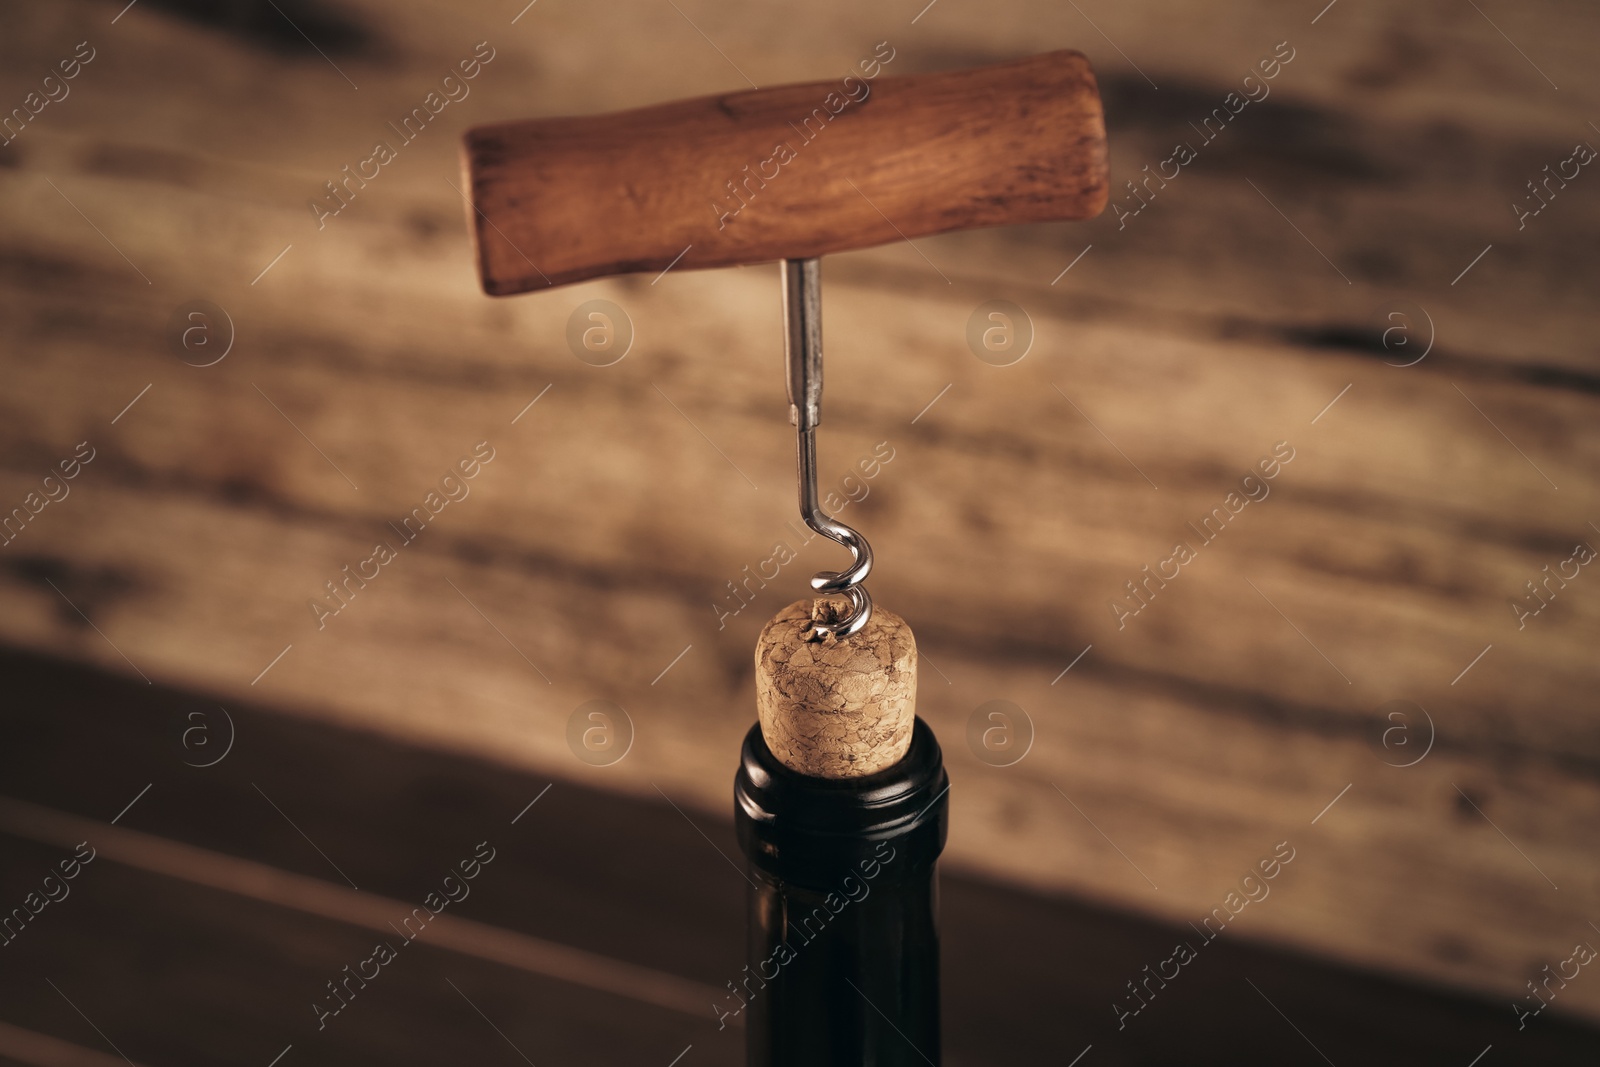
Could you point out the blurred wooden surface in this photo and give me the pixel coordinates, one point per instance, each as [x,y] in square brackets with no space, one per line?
[591,551]
[174,970]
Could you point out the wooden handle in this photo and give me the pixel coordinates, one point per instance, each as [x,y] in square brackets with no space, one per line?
[788,172]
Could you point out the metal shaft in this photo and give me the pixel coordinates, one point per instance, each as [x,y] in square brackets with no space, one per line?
[802,350]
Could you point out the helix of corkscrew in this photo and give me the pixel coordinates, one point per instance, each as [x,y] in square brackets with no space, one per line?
[802,315]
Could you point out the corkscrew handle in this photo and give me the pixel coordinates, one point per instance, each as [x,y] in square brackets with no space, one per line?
[794,171]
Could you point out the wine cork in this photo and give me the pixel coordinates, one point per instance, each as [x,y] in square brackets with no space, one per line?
[836,707]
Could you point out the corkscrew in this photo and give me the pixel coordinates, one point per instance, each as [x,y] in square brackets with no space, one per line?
[838,777]
[802,352]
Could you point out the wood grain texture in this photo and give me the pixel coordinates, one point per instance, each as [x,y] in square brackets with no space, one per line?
[789,172]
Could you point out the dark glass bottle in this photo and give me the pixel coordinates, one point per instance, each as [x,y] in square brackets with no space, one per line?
[843,941]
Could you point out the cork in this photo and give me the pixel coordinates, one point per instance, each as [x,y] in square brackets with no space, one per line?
[836,707]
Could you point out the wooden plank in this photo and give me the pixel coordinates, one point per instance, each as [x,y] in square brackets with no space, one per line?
[174,974]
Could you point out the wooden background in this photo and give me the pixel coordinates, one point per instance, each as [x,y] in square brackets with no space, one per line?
[1253,291]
